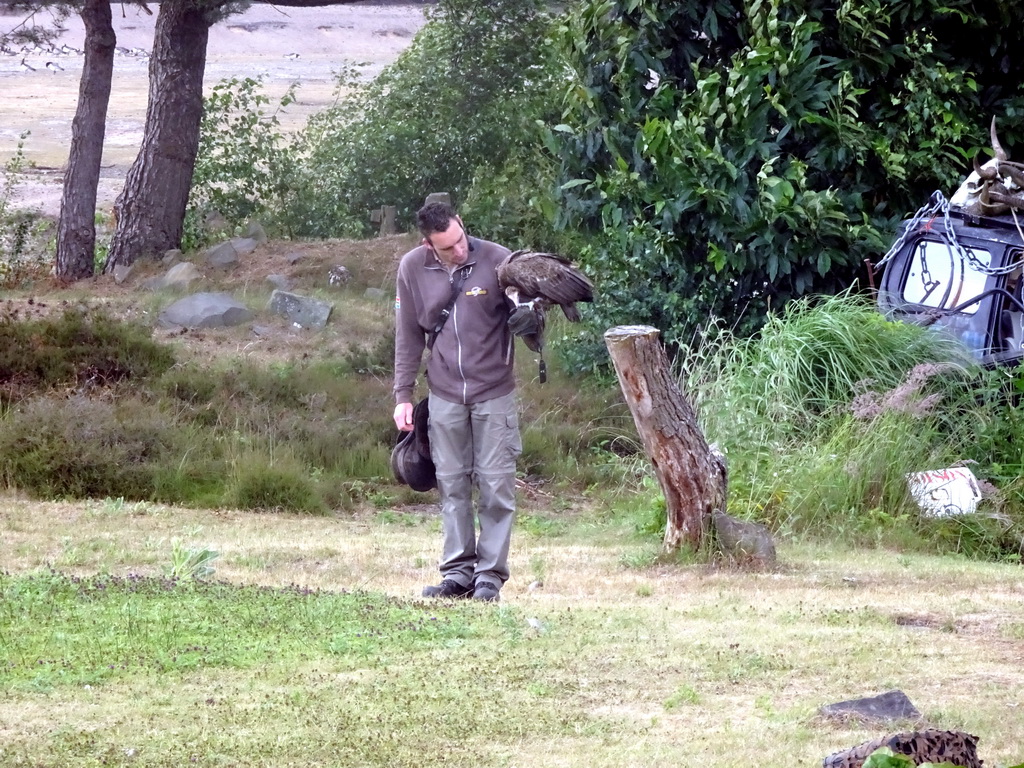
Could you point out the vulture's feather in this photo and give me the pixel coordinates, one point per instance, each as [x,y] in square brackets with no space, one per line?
[545,279]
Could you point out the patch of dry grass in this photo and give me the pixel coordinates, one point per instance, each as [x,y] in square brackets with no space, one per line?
[667,665]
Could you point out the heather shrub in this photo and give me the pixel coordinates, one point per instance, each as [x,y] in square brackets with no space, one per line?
[79,347]
[79,447]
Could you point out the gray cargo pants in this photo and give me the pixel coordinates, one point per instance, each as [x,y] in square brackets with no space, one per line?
[476,444]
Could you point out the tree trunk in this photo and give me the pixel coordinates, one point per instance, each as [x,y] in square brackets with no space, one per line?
[150,210]
[692,476]
[76,232]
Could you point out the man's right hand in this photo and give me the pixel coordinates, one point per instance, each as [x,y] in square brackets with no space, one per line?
[403,417]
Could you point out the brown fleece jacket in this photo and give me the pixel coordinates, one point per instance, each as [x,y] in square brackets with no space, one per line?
[472,357]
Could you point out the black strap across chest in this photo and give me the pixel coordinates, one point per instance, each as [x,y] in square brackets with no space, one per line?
[457,284]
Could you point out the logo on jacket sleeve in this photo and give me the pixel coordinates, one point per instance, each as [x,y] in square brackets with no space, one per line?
[476,290]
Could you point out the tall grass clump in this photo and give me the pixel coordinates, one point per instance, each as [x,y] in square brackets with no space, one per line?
[815,357]
[825,413]
[269,483]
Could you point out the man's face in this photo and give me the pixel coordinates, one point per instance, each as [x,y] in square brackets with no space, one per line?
[451,246]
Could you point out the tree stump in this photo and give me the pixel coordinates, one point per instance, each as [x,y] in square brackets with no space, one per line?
[691,475]
[387,220]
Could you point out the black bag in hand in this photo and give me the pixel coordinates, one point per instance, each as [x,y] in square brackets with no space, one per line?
[410,458]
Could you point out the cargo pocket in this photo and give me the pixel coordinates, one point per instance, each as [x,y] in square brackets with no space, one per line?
[514,441]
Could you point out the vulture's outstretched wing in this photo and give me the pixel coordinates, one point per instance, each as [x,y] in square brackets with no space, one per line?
[546,278]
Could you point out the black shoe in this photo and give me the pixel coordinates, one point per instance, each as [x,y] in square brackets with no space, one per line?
[448,588]
[487,592]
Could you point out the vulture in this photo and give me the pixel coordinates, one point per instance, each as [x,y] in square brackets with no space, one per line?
[536,281]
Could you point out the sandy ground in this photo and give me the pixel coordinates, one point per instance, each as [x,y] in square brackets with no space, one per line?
[39,88]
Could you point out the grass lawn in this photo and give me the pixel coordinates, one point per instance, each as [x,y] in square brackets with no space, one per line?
[309,645]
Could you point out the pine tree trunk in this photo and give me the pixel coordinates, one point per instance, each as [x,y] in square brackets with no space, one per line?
[150,210]
[692,477]
[76,232]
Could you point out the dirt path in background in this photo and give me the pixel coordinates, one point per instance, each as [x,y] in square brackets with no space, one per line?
[39,88]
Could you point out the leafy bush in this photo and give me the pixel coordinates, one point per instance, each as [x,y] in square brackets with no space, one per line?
[514,204]
[738,156]
[244,163]
[462,97]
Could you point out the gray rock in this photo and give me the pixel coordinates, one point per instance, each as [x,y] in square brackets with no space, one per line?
[374,293]
[171,257]
[222,256]
[205,310]
[892,705]
[254,231]
[281,282]
[438,197]
[122,273]
[180,275]
[301,310]
[339,276]
[294,257]
[244,245]
[742,540]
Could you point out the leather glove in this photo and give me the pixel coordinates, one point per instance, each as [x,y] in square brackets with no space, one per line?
[524,320]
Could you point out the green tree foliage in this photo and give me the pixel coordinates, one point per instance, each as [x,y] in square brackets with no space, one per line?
[244,163]
[463,96]
[13,227]
[735,155]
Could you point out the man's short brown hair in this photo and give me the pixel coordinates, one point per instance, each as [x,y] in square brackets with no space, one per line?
[434,217]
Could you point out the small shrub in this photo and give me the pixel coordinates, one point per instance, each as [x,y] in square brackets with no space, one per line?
[13,225]
[260,483]
[190,563]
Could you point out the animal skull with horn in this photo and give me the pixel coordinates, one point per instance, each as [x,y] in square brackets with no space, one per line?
[996,187]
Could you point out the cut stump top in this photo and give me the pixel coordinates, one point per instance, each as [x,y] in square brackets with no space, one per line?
[620,332]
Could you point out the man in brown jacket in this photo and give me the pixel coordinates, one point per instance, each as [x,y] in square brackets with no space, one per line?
[474,422]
